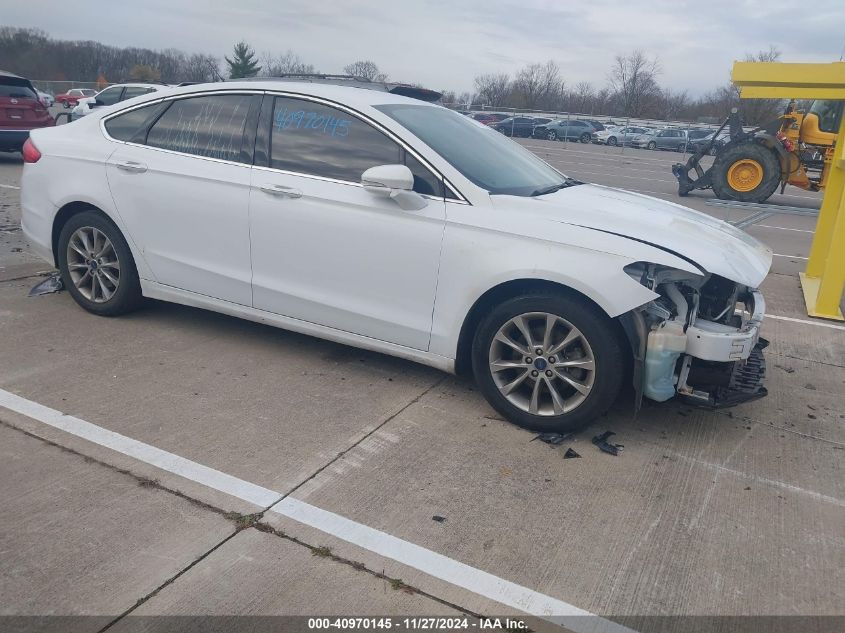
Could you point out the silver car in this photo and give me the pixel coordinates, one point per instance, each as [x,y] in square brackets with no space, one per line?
[619,135]
[667,138]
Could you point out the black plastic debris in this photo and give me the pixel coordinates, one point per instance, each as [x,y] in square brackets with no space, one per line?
[554,439]
[438,518]
[570,453]
[53,283]
[607,447]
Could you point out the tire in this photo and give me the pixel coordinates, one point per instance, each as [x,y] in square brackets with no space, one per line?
[598,341]
[611,140]
[651,145]
[727,188]
[106,298]
[65,105]
[585,137]
[552,135]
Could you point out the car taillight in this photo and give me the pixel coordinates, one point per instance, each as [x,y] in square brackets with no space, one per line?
[30,152]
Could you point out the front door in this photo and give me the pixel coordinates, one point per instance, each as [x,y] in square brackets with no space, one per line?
[326,251]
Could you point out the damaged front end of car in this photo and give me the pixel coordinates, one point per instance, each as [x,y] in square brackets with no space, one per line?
[698,340]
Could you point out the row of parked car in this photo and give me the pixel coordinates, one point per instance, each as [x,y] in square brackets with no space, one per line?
[591,131]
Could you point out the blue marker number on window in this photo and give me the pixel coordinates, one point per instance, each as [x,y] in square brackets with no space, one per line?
[302,120]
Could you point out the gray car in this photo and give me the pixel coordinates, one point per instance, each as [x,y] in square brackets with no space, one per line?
[667,138]
[565,129]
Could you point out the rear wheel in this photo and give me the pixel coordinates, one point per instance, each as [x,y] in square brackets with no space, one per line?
[748,172]
[547,361]
[552,135]
[585,137]
[611,140]
[651,145]
[96,265]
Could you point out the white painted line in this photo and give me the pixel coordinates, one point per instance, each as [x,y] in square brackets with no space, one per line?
[790,256]
[832,326]
[763,480]
[435,564]
[140,451]
[782,228]
[9,187]
[425,560]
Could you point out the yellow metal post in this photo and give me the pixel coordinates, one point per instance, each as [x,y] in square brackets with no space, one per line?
[824,280]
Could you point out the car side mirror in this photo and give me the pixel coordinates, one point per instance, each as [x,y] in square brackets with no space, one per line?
[395,182]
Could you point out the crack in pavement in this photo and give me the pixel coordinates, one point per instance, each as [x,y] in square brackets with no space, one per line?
[253,521]
[242,522]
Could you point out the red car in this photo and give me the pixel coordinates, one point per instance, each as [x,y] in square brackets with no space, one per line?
[488,118]
[72,96]
[20,111]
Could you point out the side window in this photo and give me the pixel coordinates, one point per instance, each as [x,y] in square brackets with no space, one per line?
[424,181]
[110,96]
[132,126]
[312,138]
[211,126]
[134,91]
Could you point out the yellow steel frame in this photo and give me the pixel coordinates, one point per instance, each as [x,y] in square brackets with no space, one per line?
[824,280]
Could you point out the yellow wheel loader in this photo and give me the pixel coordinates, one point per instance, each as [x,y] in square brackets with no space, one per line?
[795,149]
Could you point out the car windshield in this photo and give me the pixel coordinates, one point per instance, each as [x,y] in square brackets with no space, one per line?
[482,155]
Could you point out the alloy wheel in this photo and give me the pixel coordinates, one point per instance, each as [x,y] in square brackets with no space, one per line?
[542,364]
[92,264]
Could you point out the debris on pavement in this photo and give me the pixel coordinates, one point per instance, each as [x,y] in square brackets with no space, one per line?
[570,453]
[53,283]
[607,447]
[438,518]
[554,439]
[788,370]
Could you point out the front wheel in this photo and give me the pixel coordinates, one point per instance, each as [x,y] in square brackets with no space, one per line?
[65,104]
[611,140]
[748,172]
[96,265]
[651,145]
[548,362]
[552,135]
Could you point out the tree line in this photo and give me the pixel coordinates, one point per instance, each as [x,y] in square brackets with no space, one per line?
[632,87]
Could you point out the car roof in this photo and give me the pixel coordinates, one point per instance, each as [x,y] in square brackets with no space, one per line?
[347,94]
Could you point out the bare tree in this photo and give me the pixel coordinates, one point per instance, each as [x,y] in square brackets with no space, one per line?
[365,69]
[634,80]
[582,98]
[285,64]
[538,84]
[493,90]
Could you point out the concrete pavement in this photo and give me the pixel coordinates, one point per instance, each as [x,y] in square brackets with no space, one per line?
[736,512]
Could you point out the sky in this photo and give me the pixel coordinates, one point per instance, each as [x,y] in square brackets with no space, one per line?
[444,44]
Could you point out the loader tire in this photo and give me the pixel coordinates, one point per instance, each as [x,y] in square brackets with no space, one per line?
[748,172]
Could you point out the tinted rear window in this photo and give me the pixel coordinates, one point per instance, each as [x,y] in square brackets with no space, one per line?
[17,92]
[211,126]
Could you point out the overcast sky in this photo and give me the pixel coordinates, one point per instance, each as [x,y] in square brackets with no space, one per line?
[443,44]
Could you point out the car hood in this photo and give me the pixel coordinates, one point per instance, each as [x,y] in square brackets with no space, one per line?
[713,245]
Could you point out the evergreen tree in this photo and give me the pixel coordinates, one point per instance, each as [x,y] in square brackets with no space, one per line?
[243,62]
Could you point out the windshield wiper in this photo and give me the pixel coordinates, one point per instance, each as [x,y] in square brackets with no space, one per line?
[569,182]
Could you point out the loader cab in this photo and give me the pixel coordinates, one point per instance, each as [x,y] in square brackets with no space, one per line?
[821,123]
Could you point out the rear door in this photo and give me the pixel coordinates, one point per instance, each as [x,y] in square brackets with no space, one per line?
[182,188]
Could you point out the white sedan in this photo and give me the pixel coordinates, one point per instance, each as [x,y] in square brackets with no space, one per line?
[359,215]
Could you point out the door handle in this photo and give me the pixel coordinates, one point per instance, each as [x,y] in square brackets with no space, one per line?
[281,190]
[131,166]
